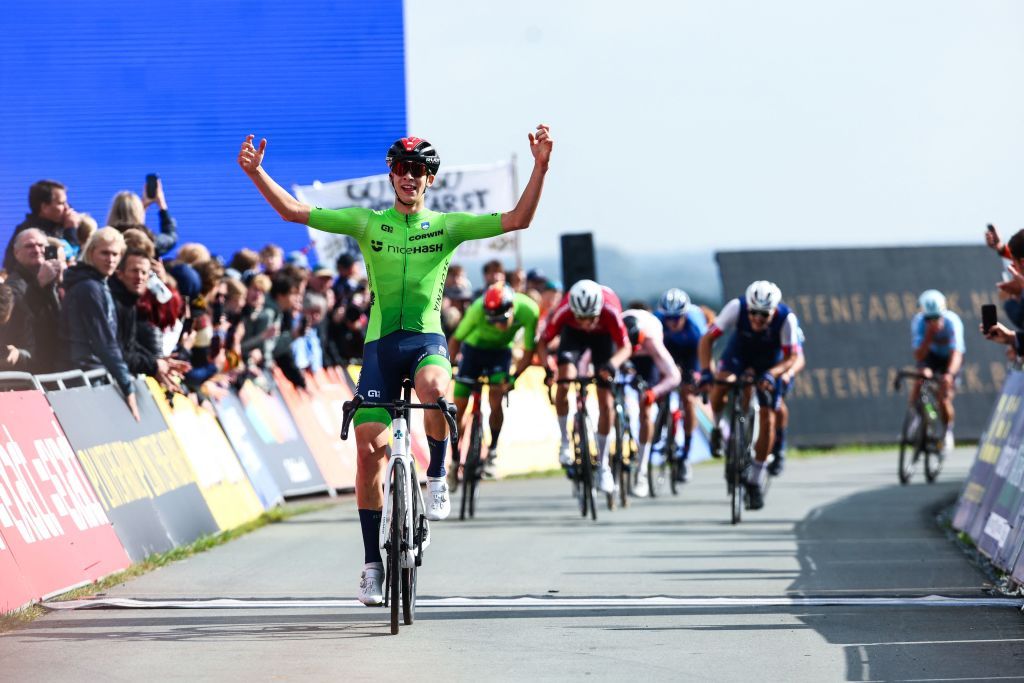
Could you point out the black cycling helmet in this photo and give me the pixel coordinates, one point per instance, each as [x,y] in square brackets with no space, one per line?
[414,149]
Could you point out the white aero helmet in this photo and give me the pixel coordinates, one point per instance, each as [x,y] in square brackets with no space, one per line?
[586,299]
[763,296]
[673,303]
[933,303]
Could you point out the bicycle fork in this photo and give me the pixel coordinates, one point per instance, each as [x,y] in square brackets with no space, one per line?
[400,452]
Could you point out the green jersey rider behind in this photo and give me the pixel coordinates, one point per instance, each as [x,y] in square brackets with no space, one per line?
[486,336]
[407,249]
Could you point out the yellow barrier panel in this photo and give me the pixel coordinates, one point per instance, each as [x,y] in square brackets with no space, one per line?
[225,487]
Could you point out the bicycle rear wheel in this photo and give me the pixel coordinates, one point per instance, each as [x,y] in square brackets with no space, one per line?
[471,469]
[409,574]
[395,542]
[670,456]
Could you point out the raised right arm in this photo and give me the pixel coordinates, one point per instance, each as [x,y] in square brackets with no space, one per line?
[288,207]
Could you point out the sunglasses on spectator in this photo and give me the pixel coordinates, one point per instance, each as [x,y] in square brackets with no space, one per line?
[415,168]
[760,314]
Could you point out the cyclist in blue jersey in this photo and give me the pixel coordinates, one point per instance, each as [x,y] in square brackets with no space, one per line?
[684,325]
[765,343]
[407,250]
[937,339]
[785,382]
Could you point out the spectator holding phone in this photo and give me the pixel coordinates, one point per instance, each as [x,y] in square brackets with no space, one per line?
[128,210]
[34,277]
[88,322]
[50,212]
[1011,289]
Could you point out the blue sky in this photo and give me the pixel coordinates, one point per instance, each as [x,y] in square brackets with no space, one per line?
[735,124]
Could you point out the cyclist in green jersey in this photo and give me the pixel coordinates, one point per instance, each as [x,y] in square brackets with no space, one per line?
[485,336]
[407,250]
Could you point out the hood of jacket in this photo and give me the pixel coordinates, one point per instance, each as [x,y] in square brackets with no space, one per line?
[80,272]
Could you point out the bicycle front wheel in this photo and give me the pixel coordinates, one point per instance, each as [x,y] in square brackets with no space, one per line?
[586,471]
[395,543]
[908,444]
[409,573]
[734,470]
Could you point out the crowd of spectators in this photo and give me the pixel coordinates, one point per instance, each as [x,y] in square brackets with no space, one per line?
[131,300]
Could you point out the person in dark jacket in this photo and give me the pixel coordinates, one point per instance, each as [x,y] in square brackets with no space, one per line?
[137,337]
[33,280]
[88,321]
[11,357]
[51,213]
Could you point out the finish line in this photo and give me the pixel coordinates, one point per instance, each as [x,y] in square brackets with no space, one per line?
[654,602]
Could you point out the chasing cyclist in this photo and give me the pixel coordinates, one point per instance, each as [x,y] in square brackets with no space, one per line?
[407,250]
[765,343]
[485,337]
[655,366]
[589,317]
[777,464]
[684,325]
[937,338]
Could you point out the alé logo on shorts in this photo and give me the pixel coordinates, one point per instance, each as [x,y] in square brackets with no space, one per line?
[376,245]
[373,393]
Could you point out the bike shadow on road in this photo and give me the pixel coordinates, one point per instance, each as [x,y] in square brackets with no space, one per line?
[887,542]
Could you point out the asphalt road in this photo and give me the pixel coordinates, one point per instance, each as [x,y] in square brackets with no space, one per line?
[834,527]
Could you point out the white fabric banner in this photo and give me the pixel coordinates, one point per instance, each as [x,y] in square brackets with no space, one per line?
[474,189]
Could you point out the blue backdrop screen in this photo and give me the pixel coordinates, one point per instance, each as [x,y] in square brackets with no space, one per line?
[97,94]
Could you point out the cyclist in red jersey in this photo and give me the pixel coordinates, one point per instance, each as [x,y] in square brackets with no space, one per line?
[588,318]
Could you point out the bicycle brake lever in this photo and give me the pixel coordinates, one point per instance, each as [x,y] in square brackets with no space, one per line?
[348,411]
[449,413]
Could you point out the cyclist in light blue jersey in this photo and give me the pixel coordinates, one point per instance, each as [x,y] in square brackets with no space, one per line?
[937,339]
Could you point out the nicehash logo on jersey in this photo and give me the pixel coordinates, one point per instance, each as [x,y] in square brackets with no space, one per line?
[422,249]
[377,245]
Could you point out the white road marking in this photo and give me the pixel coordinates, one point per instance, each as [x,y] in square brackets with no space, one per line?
[542,603]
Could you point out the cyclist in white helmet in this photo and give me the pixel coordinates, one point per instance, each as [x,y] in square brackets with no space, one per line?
[766,344]
[588,318]
[684,325]
[937,338]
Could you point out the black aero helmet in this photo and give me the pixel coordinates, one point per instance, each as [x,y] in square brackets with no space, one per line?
[414,149]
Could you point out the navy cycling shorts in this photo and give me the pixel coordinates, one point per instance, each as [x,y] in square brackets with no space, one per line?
[392,358]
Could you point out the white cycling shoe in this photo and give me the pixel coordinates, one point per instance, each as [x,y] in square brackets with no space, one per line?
[606,482]
[439,506]
[642,488]
[947,443]
[371,591]
[564,455]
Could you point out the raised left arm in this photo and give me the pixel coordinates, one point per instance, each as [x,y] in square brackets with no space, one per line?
[521,216]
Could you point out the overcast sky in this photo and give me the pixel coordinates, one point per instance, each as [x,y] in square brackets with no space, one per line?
[730,123]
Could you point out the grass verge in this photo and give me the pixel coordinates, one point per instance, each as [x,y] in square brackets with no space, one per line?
[14,620]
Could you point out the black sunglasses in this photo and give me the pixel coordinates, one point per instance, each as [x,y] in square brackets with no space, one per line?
[761,314]
[415,168]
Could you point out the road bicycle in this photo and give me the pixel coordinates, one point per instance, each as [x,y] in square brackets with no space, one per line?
[471,471]
[923,431]
[404,532]
[741,413]
[582,470]
[624,451]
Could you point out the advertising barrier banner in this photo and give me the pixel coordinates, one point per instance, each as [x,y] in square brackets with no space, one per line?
[285,454]
[230,414]
[855,307]
[140,474]
[311,412]
[52,523]
[14,590]
[221,479]
[984,481]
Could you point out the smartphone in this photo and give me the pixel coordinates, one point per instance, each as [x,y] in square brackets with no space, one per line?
[50,252]
[988,317]
[990,227]
[151,185]
[186,325]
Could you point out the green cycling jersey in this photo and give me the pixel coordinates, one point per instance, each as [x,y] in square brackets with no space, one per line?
[407,259]
[478,333]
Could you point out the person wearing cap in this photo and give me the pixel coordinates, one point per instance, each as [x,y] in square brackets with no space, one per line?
[407,249]
[485,338]
[937,340]
[765,342]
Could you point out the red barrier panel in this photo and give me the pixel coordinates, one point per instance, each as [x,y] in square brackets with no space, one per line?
[14,591]
[50,518]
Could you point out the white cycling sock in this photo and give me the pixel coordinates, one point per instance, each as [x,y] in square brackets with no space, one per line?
[602,449]
[645,455]
[563,427]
